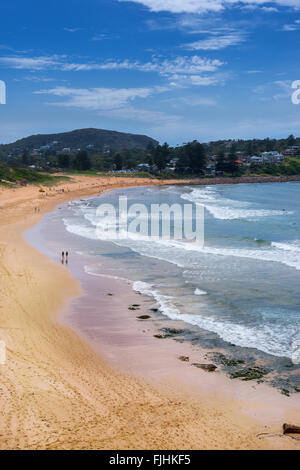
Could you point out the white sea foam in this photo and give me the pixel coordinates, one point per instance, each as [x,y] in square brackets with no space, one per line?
[164,301]
[293,246]
[81,230]
[93,271]
[286,255]
[227,209]
[200,292]
[172,251]
[270,338]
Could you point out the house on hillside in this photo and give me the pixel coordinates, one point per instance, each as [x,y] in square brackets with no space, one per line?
[210,168]
[256,160]
[65,151]
[45,147]
[143,167]
[291,150]
[272,157]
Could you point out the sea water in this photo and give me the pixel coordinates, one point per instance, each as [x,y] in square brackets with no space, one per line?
[242,285]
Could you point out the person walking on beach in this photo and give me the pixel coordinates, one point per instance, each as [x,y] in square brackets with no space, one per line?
[62,257]
[67,256]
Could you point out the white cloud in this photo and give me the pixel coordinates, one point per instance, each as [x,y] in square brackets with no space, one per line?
[36,79]
[180,6]
[110,102]
[104,36]
[178,69]
[185,71]
[198,101]
[292,27]
[143,115]
[202,6]
[217,42]
[72,30]
[277,90]
[97,98]
[285,87]
[32,63]
[181,64]
[205,80]
[270,9]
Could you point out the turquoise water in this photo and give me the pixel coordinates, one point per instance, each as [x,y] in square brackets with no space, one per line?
[243,284]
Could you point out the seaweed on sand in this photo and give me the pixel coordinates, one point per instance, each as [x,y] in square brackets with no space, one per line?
[250,373]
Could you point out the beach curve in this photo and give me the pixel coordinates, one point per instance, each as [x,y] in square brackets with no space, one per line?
[56,392]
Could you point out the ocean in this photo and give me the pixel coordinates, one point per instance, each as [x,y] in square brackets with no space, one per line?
[240,289]
[243,284]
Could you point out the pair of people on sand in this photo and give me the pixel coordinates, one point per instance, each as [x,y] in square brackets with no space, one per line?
[63,257]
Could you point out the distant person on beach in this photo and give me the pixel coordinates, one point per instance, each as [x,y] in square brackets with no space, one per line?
[62,257]
[67,256]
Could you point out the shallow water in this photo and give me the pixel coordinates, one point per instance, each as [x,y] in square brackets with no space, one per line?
[247,273]
[238,294]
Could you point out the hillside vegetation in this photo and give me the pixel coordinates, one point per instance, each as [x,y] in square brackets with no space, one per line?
[10,176]
[97,139]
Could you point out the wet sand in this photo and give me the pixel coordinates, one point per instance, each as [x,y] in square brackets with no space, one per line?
[59,392]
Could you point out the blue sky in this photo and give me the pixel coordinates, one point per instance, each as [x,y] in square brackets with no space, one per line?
[176,70]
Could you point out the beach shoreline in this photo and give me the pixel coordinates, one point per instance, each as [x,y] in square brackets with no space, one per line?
[242,180]
[57,391]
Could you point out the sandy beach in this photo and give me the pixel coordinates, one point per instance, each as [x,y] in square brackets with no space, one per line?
[60,392]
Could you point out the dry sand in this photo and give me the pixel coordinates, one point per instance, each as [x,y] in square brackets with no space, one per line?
[56,392]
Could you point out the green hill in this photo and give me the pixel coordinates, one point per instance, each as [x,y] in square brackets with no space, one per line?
[94,139]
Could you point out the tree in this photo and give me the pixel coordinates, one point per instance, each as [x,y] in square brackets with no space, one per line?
[150,148]
[221,163]
[118,161]
[269,145]
[97,162]
[249,148]
[159,158]
[25,157]
[64,161]
[182,164]
[82,161]
[166,151]
[196,156]
[232,165]
[130,164]
[291,140]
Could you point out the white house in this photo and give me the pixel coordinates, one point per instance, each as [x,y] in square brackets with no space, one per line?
[256,159]
[272,157]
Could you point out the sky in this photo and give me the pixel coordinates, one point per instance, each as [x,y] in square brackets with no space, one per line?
[176,70]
